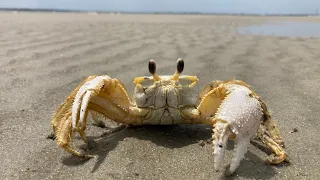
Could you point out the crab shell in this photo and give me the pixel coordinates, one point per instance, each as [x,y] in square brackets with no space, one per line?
[166,98]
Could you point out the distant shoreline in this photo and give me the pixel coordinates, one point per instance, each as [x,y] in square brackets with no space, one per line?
[136,12]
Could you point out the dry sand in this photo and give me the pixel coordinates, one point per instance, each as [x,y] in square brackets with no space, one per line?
[45,56]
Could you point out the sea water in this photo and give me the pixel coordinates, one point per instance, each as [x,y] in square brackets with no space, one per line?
[285,29]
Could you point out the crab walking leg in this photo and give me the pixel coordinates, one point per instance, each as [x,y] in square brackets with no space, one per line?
[83,109]
[83,97]
[99,94]
[81,103]
[64,135]
[76,104]
[279,154]
[209,87]
[269,134]
[208,106]
[270,125]
[104,95]
[83,117]
[65,107]
[61,122]
[193,79]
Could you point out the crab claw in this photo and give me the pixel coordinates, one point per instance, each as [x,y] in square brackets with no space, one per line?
[220,136]
[218,156]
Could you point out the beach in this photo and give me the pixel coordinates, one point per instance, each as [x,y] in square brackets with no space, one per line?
[44,56]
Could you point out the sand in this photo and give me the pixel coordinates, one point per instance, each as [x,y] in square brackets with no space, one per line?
[44,56]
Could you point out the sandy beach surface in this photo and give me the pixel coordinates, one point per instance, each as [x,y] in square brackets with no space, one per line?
[44,56]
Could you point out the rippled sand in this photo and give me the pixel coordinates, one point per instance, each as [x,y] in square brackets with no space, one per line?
[43,57]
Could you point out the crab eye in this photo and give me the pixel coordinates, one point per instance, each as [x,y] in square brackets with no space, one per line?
[220,146]
[180,65]
[152,66]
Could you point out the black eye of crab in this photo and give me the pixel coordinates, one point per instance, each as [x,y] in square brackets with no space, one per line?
[152,66]
[220,146]
[180,65]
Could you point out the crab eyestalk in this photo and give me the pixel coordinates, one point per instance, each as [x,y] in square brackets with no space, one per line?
[221,134]
[152,70]
[180,66]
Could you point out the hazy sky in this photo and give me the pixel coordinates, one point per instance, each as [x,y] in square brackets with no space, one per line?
[238,6]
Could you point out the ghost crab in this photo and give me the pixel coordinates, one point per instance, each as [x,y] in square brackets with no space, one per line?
[231,107]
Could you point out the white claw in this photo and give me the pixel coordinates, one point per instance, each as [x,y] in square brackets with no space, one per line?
[240,150]
[243,114]
[84,105]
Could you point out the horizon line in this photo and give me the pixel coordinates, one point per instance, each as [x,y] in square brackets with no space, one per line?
[150,12]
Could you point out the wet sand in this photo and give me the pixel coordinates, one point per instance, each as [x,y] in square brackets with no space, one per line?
[45,56]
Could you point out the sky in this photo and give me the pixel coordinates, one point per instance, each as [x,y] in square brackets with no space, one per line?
[205,6]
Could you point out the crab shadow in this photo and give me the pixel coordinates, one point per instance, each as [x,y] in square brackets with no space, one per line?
[252,166]
[173,136]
